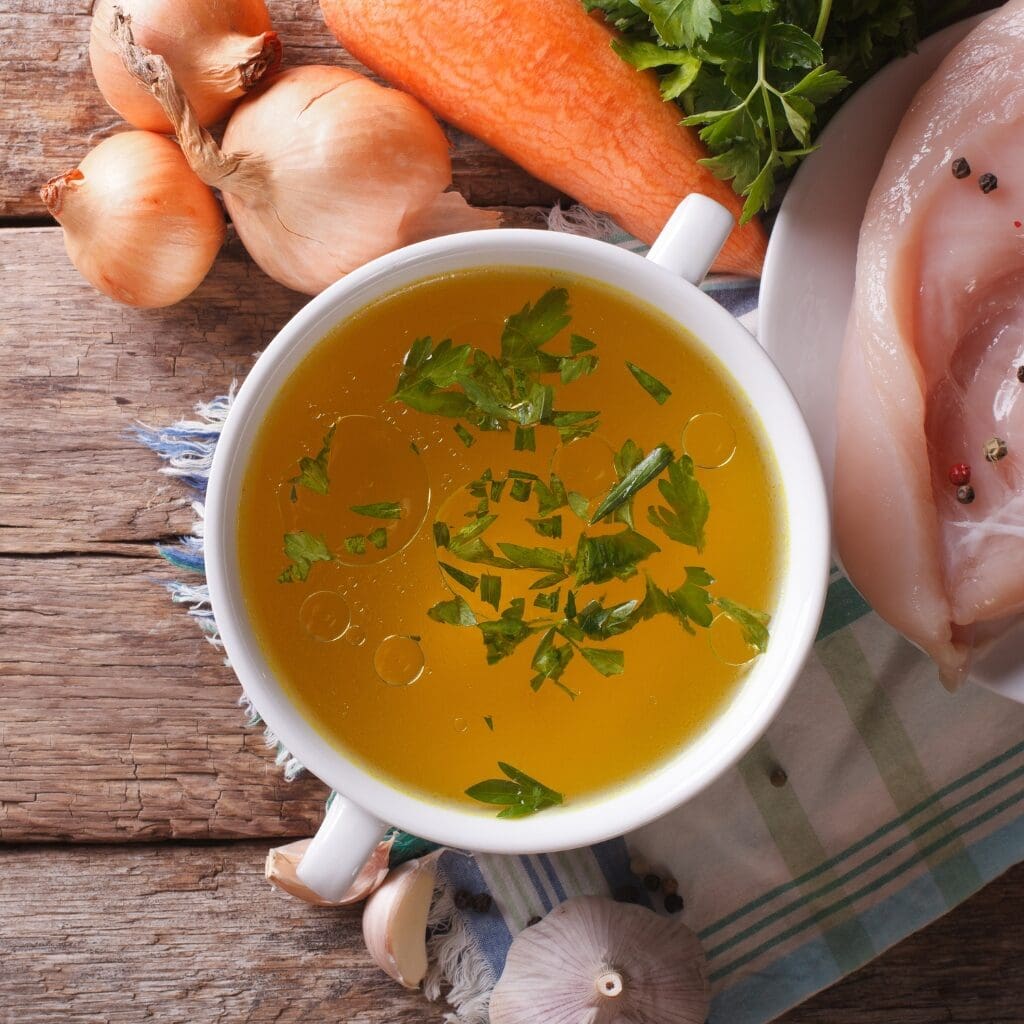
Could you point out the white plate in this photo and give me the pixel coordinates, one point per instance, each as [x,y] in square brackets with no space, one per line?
[807,286]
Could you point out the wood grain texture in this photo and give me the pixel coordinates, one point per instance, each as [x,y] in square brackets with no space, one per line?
[54,114]
[191,934]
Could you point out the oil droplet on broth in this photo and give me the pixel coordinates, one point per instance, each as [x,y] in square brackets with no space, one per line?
[325,615]
[585,465]
[461,725]
[356,636]
[710,440]
[399,660]
[728,644]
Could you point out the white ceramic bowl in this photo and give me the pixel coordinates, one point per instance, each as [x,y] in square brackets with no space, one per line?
[667,280]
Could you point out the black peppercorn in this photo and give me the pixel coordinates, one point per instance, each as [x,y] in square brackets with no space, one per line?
[988,183]
[482,902]
[627,894]
[652,882]
[778,778]
[965,494]
[961,168]
[533,920]
[463,899]
[673,903]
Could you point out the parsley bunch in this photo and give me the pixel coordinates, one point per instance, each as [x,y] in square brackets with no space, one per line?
[758,76]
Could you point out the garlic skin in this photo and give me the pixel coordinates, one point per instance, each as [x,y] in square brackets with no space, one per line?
[595,961]
[217,49]
[282,862]
[395,921]
[138,224]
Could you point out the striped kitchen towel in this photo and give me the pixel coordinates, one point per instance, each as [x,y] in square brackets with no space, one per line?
[875,803]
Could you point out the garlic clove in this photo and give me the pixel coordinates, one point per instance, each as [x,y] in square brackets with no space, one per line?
[595,961]
[395,921]
[283,861]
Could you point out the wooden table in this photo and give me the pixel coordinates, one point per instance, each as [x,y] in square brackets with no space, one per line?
[135,811]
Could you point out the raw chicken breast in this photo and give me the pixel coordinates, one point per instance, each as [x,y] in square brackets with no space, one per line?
[930,360]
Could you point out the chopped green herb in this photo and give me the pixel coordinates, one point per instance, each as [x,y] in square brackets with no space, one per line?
[379,510]
[464,435]
[302,549]
[533,327]
[522,474]
[378,538]
[608,663]
[550,496]
[518,793]
[653,465]
[613,556]
[578,344]
[581,366]
[490,590]
[600,623]
[551,527]
[551,580]
[579,504]
[548,601]
[533,558]
[356,545]
[689,507]
[525,439]
[550,661]
[503,635]
[465,579]
[625,459]
[313,472]
[497,486]
[521,490]
[650,384]
[442,534]
[453,613]
[692,598]
[753,624]
[489,722]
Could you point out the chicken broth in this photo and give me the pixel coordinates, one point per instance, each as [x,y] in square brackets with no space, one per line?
[549,544]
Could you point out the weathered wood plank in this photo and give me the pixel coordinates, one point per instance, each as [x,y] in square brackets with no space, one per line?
[77,370]
[54,114]
[118,722]
[192,933]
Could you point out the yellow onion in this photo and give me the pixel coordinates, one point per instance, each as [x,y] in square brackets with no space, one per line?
[217,49]
[321,169]
[138,224]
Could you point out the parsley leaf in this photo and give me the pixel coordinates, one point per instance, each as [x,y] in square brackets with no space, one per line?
[650,384]
[455,612]
[754,625]
[551,527]
[490,590]
[465,579]
[379,510]
[611,556]
[378,538]
[356,545]
[688,510]
[313,472]
[607,662]
[518,793]
[638,476]
[302,549]
[503,635]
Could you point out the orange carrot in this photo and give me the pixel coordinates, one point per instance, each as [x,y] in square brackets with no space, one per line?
[538,80]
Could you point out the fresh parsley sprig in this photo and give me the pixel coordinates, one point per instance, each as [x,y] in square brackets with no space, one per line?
[518,793]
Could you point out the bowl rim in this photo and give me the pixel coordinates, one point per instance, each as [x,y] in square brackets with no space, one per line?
[802,586]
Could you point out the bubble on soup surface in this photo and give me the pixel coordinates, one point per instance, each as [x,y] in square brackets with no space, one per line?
[728,643]
[399,660]
[461,725]
[586,465]
[356,636]
[325,615]
[710,440]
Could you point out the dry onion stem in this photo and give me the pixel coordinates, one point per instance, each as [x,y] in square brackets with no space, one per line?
[321,169]
[138,224]
[217,49]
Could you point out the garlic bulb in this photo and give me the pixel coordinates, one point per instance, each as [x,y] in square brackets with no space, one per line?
[282,862]
[321,169]
[138,224]
[217,49]
[595,961]
[395,921]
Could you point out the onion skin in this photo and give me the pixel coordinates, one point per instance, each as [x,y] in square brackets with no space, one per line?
[217,49]
[138,224]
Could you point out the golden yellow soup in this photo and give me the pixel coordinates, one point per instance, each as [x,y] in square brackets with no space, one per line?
[551,543]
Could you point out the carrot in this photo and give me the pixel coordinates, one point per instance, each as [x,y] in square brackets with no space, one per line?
[538,80]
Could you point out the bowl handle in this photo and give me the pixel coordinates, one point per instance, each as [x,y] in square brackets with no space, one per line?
[692,238]
[342,845]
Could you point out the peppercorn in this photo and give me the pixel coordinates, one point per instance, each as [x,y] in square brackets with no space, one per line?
[995,449]
[965,494]
[961,168]
[639,867]
[482,902]
[652,882]
[1020,373]
[627,894]
[669,886]
[533,920]
[988,183]
[960,474]
[463,899]
[778,778]
[674,903]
